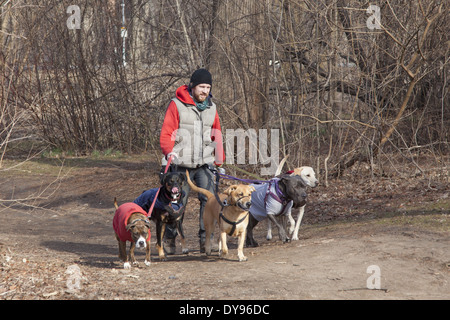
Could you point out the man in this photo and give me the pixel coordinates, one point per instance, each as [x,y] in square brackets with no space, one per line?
[191,134]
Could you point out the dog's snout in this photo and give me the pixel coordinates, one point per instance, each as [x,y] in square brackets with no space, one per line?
[244,205]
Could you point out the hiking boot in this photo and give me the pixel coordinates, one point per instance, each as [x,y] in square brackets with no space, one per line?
[169,246]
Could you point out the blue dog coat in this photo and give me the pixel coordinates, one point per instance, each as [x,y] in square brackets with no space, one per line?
[146,198]
[263,204]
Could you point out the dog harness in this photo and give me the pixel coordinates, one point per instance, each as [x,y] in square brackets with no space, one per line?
[233,223]
[224,204]
[268,199]
[121,217]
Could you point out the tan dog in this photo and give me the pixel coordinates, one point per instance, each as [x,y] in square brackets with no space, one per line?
[232,214]
[131,224]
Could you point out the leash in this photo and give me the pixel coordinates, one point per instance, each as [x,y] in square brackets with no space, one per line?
[255,181]
[157,191]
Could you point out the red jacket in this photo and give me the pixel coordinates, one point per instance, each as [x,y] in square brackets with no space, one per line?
[172,122]
[121,217]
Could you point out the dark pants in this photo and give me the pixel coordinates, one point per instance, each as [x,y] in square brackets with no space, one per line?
[203,178]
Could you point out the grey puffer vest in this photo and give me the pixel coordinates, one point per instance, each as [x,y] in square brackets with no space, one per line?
[193,142]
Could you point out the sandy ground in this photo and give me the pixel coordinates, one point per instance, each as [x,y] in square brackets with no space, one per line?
[57,242]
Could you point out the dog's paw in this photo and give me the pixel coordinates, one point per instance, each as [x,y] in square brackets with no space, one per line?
[252,244]
[162,258]
[295,238]
[147,263]
[269,236]
[185,251]
[223,254]
[243,258]
[127,266]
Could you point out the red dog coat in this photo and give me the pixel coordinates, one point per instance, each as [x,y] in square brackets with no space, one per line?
[121,217]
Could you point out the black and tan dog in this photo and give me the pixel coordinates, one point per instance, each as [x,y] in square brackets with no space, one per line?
[231,213]
[131,224]
[168,209]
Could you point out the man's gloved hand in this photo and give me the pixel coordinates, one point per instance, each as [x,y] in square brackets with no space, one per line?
[215,168]
[221,170]
[174,156]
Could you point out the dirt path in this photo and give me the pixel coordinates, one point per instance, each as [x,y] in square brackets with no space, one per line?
[61,245]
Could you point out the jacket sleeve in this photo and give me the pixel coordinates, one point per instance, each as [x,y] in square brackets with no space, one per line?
[168,129]
[216,135]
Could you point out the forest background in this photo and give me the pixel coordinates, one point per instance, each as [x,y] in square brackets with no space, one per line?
[346,83]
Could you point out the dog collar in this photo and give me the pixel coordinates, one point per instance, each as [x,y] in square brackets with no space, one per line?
[182,194]
[136,220]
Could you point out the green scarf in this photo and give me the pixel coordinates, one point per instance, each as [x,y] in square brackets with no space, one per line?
[201,106]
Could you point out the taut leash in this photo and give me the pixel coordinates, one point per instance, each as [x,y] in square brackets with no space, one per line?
[157,191]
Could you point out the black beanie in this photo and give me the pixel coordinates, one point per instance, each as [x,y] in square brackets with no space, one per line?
[200,76]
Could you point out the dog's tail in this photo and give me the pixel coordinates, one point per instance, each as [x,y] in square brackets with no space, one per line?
[280,166]
[207,193]
[115,203]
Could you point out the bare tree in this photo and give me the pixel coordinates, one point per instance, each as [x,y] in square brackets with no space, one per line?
[340,93]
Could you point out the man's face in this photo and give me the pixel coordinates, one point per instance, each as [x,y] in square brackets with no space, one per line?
[201,92]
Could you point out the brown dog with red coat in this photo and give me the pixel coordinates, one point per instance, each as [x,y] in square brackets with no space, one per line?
[131,224]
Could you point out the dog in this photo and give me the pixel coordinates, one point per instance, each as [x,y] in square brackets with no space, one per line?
[231,210]
[273,199]
[168,209]
[309,177]
[131,224]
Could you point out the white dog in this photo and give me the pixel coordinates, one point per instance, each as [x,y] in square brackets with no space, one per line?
[309,177]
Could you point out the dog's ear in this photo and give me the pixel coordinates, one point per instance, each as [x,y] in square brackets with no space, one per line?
[230,189]
[162,178]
